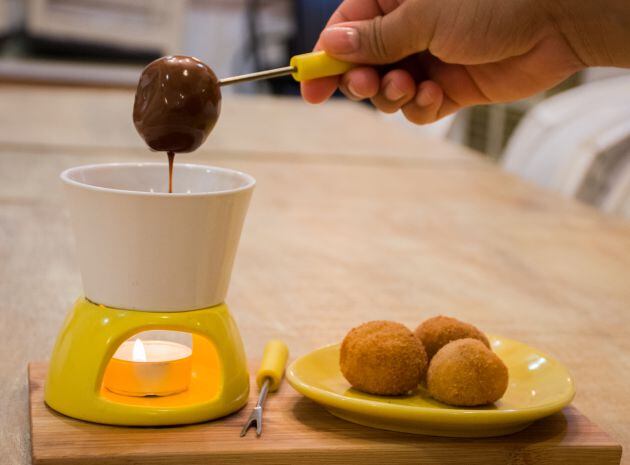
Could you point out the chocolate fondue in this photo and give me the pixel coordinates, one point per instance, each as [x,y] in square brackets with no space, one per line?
[177,104]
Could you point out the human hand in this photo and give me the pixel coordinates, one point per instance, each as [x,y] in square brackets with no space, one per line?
[443,55]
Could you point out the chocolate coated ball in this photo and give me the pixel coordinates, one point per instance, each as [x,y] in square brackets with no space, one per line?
[177,104]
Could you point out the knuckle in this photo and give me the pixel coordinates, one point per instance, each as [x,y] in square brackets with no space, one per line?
[377,43]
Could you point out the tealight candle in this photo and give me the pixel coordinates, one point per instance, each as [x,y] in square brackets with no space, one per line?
[149,368]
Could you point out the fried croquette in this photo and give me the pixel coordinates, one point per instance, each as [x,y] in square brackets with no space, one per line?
[438,331]
[466,373]
[382,357]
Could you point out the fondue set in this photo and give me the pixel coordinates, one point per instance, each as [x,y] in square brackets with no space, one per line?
[154,260]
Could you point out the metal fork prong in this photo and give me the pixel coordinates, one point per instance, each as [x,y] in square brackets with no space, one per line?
[250,421]
[245,428]
[254,417]
[258,412]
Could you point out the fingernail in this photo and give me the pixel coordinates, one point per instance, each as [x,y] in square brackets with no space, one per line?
[342,39]
[353,91]
[392,92]
[424,98]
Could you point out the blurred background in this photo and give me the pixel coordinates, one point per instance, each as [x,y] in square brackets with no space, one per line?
[574,139]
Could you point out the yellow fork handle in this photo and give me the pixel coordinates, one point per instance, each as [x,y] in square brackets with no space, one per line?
[273,362]
[316,65]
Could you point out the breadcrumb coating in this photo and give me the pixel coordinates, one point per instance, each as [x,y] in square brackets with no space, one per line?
[383,357]
[466,373]
[438,331]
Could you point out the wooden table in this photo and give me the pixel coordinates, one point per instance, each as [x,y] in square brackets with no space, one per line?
[352,220]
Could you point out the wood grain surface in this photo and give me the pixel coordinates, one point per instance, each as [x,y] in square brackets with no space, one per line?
[398,226]
[298,431]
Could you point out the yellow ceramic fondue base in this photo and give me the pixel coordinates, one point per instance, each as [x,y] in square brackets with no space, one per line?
[91,334]
[539,386]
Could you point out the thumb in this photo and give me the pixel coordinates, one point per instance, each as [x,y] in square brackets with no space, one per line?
[380,40]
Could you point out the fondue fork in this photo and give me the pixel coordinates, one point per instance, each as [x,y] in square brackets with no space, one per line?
[268,379]
[302,67]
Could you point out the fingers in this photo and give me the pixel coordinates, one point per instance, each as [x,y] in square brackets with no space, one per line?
[380,39]
[360,83]
[354,10]
[319,90]
[429,104]
[397,89]
[357,84]
[421,104]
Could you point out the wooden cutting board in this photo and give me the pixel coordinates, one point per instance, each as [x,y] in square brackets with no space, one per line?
[298,431]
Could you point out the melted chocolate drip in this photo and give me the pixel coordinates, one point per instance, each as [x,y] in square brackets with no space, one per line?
[171,159]
[177,104]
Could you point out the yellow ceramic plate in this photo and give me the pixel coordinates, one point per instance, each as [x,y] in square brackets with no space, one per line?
[539,386]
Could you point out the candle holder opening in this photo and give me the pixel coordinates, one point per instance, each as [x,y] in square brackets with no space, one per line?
[159,364]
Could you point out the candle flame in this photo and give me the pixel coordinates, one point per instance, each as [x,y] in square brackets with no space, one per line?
[138,354]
